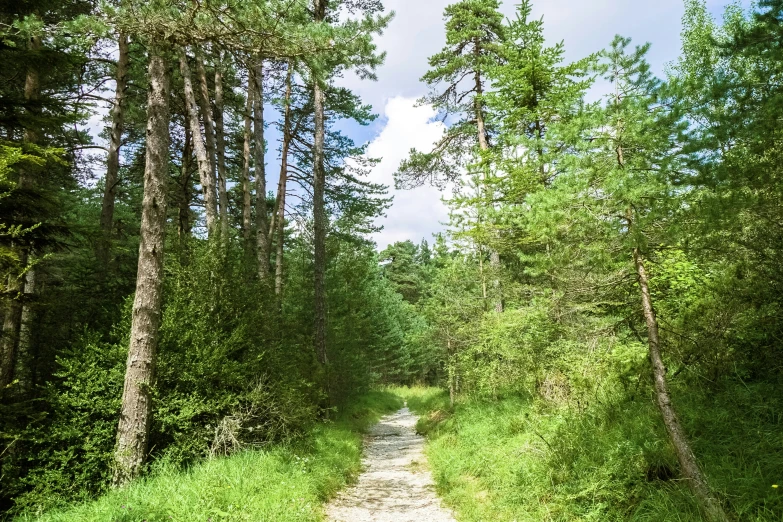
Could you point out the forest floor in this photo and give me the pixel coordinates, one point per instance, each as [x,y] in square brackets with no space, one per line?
[396,485]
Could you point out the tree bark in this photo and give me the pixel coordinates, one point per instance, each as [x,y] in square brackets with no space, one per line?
[452,390]
[12,323]
[206,114]
[183,217]
[247,217]
[688,464]
[221,151]
[494,256]
[282,185]
[484,294]
[136,410]
[262,224]
[205,170]
[23,371]
[115,143]
[319,207]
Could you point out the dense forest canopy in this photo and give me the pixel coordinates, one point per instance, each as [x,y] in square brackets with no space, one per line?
[614,263]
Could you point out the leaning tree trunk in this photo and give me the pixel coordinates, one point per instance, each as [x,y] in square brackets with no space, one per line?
[136,410]
[205,170]
[262,224]
[247,217]
[688,465]
[494,256]
[319,207]
[282,185]
[221,151]
[115,142]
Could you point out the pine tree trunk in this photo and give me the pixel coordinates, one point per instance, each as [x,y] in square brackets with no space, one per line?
[183,217]
[262,224]
[319,226]
[319,207]
[484,294]
[452,390]
[205,109]
[115,143]
[205,169]
[494,256]
[283,183]
[688,465]
[12,323]
[23,363]
[221,151]
[494,262]
[23,371]
[247,217]
[136,411]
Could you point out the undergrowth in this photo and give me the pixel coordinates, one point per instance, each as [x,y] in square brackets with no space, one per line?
[282,483]
[523,459]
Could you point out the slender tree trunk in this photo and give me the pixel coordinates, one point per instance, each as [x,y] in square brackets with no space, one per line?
[115,142]
[205,170]
[319,207]
[540,150]
[282,185]
[136,410]
[262,225]
[23,371]
[484,294]
[480,123]
[12,323]
[452,391]
[32,92]
[494,256]
[688,464]
[183,217]
[247,217]
[494,262]
[221,151]
[206,114]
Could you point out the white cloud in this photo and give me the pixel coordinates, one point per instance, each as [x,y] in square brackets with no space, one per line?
[418,213]
[417,32]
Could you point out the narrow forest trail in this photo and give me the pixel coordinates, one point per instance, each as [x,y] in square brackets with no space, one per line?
[396,485]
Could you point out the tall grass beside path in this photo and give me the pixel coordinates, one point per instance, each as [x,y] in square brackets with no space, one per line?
[285,483]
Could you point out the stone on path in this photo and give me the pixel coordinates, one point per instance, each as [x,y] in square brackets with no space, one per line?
[395,485]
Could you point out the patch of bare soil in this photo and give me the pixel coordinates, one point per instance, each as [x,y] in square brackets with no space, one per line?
[396,485]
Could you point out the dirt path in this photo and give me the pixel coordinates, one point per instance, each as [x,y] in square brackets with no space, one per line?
[396,485]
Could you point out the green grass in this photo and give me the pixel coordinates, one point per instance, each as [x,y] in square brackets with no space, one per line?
[520,459]
[513,459]
[283,483]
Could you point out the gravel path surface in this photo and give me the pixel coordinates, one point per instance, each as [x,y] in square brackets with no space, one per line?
[396,485]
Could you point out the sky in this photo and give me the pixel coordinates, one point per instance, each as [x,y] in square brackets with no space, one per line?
[417,32]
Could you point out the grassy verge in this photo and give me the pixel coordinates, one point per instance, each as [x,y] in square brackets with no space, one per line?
[520,459]
[284,483]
